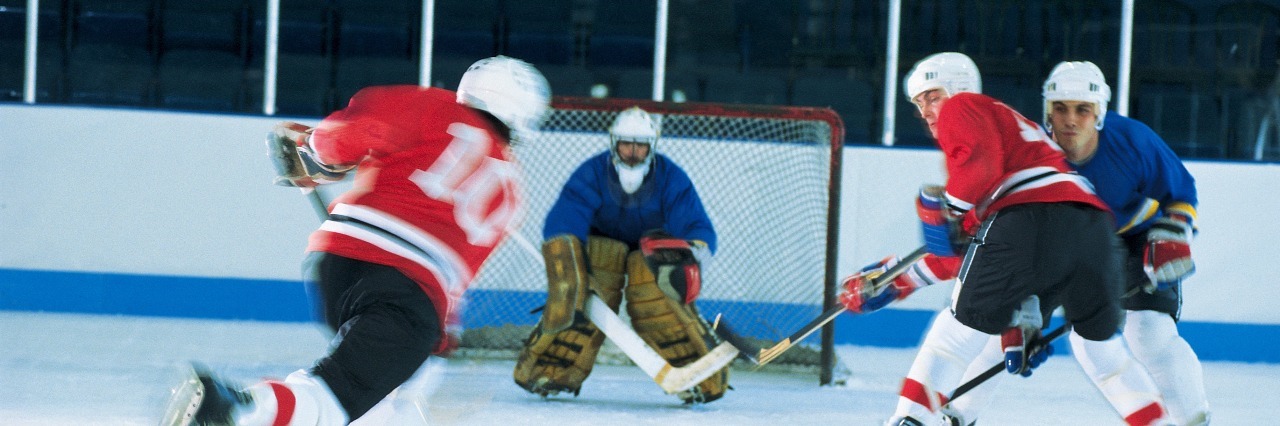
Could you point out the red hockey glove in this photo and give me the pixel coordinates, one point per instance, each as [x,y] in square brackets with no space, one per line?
[1167,259]
[860,296]
[943,233]
[674,262]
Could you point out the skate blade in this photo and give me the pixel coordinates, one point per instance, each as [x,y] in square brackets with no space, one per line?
[184,401]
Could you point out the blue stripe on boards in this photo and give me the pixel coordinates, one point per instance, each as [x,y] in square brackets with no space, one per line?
[284,300]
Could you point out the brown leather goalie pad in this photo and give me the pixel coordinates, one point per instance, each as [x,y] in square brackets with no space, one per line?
[673,328]
[554,362]
[567,282]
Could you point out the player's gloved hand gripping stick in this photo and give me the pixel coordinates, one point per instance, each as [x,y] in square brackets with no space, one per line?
[879,282]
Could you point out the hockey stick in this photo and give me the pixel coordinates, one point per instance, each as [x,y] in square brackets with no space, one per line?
[771,353]
[1037,346]
[670,378]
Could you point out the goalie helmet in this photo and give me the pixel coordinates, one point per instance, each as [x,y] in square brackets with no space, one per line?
[950,71]
[510,89]
[636,126]
[1076,81]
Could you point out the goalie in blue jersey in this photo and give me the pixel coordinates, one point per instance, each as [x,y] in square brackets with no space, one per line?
[628,220]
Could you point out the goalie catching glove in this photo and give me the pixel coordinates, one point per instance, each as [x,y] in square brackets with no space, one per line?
[675,262]
[295,162]
[1167,258]
[865,291]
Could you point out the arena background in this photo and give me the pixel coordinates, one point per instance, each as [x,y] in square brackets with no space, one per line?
[136,182]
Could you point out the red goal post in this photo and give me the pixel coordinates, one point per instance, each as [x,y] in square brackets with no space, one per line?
[769,177]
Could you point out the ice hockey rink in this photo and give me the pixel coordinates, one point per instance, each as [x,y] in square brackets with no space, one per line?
[79,369]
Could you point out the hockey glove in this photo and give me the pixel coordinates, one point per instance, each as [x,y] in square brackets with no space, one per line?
[1167,259]
[674,263]
[943,233]
[295,162]
[862,294]
[1021,354]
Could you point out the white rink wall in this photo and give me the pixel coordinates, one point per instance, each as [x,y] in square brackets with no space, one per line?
[164,193]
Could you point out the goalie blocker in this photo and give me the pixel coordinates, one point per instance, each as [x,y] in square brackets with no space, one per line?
[555,361]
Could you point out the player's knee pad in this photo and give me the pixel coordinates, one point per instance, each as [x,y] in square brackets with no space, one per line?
[673,328]
[1149,331]
[567,282]
[1122,380]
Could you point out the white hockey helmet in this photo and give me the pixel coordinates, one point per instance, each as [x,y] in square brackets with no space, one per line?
[510,89]
[634,125]
[950,71]
[1076,81]
[638,126]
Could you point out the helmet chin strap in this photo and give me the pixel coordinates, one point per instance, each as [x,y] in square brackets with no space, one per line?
[631,176]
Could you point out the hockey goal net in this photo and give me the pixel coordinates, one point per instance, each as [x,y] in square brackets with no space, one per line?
[768,177]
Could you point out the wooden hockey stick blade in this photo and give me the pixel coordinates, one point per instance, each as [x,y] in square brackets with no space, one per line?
[1039,345]
[671,379]
[769,354]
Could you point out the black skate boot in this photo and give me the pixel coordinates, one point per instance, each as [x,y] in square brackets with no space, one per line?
[203,400]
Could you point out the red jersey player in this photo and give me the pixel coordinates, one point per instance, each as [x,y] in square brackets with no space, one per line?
[435,188]
[1032,235]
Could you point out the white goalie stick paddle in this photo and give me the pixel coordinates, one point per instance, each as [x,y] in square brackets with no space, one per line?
[771,353]
[670,378]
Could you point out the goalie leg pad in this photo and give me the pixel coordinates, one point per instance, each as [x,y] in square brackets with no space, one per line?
[567,282]
[671,327]
[554,362]
[560,362]
[608,259]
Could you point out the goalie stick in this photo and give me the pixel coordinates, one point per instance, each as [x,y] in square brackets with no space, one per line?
[771,353]
[1037,346]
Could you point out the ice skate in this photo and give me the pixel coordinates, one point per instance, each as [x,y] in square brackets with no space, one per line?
[202,400]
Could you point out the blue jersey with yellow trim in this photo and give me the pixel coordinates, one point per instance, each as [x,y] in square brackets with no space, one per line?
[1137,175]
[592,202]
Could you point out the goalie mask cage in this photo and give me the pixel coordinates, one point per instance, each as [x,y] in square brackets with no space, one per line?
[769,179]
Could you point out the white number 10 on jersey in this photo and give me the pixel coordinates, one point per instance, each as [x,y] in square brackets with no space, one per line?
[467,177]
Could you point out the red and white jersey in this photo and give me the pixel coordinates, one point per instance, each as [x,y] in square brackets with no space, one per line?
[434,192]
[995,157]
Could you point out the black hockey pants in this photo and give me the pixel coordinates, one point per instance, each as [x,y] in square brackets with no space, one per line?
[386,327]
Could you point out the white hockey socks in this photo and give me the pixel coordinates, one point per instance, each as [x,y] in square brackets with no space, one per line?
[946,352]
[1153,338]
[969,406]
[1121,379]
[301,400]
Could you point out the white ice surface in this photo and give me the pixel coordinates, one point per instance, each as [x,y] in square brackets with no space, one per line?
[65,369]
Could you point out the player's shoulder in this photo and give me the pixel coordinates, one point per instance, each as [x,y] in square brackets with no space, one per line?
[1128,128]
[669,168]
[971,99]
